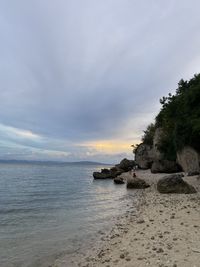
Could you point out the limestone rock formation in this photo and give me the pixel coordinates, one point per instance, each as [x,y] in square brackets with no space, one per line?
[126,165]
[174,184]
[157,155]
[136,183]
[189,159]
[165,166]
[144,156]
[147,156]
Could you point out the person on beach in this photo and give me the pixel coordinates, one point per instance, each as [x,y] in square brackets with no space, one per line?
[134,169]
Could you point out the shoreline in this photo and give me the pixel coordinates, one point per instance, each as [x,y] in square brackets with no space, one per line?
[164,231]
[129,201]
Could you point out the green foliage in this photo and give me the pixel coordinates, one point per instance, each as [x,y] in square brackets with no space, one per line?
[147,138]
[179,118]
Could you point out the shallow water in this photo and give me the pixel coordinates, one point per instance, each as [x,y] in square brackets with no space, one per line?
[47,211]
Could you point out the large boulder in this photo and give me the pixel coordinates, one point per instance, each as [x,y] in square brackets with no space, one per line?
[108,173]
[119,180]
[104,174]
[188,158]
[165,166]
[126,165]
[136,183]
[144,156]
[100,175]
[174,184]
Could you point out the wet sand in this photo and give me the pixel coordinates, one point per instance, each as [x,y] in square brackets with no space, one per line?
[164,232]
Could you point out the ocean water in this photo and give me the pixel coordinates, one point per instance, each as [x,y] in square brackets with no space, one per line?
[48,211]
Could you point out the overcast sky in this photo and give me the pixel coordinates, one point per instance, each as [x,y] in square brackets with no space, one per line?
[80,80]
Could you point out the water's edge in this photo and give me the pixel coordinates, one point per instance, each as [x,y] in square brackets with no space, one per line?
[103,236]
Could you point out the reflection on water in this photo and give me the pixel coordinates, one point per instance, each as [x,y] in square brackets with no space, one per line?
[48,210]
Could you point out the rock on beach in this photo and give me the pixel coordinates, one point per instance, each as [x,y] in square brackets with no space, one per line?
[125,165]
[174,184]
[119,180]
[136,183]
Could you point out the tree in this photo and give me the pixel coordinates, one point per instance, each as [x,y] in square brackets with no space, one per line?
[179,118]
[147,138]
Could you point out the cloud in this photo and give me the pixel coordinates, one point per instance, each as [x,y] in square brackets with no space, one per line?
[75,72]
[18,133]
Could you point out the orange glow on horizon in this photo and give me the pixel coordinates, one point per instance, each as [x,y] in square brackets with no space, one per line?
[109,146]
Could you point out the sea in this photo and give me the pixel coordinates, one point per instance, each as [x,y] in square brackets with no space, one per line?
[49,211]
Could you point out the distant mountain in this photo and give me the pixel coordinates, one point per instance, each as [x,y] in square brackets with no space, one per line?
[13,161]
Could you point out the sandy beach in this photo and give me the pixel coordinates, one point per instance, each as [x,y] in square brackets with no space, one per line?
[163,232]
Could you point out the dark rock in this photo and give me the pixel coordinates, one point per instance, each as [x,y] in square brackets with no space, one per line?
[136,183]
[105,171]
[174,184]
[108,174]
[193,173]
[125,165]
[102,175]
[115,171]
[118,180]
[165,166]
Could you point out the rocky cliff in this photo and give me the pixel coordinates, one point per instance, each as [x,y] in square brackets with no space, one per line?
[146,156]
[175,132]
[189,159]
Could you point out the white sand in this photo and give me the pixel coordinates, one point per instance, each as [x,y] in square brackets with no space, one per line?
[164,232]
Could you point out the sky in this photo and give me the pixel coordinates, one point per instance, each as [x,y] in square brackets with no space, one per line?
[81,80]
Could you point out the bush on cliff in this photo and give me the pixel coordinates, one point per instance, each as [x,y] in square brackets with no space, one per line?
[179,118]
[147,138]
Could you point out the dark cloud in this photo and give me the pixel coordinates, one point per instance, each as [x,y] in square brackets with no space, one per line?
[85,70]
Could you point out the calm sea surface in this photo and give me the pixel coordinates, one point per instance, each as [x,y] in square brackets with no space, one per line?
[47,211]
